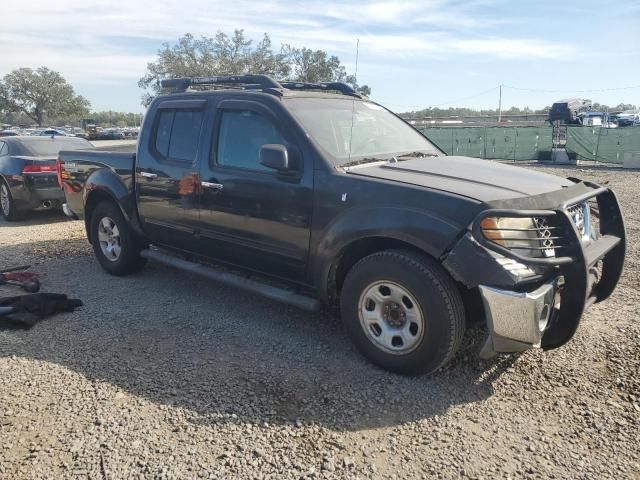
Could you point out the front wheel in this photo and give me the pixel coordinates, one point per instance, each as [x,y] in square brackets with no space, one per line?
[114,244]
[403,311]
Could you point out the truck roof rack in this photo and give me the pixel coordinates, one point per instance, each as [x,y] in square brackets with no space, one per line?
[341,87]
[242,81]
[256,82]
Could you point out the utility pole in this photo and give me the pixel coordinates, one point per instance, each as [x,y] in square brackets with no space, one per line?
[355,76]
[500,105]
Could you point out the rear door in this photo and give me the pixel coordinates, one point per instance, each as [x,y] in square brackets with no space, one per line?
[252,215]
[167,185]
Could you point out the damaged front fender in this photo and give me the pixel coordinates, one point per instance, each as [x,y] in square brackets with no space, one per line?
[471,264]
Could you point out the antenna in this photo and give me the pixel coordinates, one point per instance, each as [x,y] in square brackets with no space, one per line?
[355,75]
[353,104]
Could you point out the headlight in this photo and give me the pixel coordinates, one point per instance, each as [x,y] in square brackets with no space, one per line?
[529,237]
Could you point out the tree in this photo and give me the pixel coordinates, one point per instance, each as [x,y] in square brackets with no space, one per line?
[464,111]
[314,65]
[234,55]
[363,89]
[39,94]
[204,56]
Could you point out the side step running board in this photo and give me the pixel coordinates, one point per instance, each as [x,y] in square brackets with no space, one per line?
[269,291]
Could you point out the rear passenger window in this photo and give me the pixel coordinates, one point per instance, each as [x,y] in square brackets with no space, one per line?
[184,135]
[176,135]
[4,150]
[163,132]
[242,133]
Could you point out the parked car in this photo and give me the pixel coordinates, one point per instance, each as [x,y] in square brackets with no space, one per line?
[628,119]
[78,132]
[28,179]
[330,197]
[9,133]
[111,134]
[593,119]
[53,132]
[568,111]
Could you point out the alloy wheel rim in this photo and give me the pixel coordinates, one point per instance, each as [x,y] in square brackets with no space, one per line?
[109,239]
[4,199]
[391,317]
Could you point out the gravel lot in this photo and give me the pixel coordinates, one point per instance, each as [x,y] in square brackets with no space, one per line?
[166,375]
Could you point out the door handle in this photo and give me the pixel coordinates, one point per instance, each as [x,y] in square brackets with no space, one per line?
[212,186]
[148,175]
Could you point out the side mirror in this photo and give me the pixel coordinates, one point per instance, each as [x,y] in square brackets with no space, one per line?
[274,156]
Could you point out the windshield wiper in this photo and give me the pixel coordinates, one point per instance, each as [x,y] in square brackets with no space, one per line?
[416,155]
[364,160]
[392,159]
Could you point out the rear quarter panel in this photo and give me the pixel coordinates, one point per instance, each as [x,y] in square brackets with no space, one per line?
[11,166]
[85,172]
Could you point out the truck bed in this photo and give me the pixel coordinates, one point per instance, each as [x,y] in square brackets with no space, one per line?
[78,165]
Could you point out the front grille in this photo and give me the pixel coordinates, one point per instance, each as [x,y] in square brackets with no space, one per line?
[594,217]
[577,214]
[581,215]
[553,237]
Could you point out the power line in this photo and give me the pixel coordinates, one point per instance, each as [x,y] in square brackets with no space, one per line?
[571,90]
[475,95]
[453,102]
[492,89]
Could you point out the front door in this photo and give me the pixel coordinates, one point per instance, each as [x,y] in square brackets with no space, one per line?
[252,215]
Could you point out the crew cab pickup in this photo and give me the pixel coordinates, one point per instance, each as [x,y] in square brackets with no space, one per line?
[311,194]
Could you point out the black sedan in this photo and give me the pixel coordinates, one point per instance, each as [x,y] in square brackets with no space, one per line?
[28,174]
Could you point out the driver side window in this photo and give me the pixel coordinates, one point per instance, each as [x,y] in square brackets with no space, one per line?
[242,133]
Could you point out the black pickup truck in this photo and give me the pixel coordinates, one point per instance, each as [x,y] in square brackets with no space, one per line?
[310,194]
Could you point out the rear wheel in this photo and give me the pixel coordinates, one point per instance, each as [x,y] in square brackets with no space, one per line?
[403,311]
[114,244]
[7,203]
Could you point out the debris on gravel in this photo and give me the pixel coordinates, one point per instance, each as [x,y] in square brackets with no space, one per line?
[166,375]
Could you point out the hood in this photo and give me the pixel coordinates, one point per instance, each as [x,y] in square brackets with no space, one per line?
[483,180]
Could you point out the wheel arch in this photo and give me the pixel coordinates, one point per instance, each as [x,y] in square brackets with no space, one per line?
[361,231]
[103,184]
[354,251]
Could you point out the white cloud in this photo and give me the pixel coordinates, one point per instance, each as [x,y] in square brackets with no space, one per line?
[110,42]
[420,25]
[514,48]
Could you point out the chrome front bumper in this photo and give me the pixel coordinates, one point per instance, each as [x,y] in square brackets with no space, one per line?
[517,320]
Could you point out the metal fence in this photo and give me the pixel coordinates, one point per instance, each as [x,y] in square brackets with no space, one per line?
[507,143]
[598,144]
[602,145]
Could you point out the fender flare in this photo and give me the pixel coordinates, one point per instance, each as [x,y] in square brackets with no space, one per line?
[105,182]
[424,231]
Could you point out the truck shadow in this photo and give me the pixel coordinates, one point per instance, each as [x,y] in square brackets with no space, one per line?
[226,356]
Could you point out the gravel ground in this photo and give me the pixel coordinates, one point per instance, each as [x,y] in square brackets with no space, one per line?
[166,375]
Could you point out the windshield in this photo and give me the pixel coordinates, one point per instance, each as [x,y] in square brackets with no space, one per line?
[46,147]
[351,130]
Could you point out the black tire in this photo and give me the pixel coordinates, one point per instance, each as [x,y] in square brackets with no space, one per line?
[432,289]
[128,260]
[9,210]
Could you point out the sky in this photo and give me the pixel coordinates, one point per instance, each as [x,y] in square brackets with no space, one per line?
[413,54]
